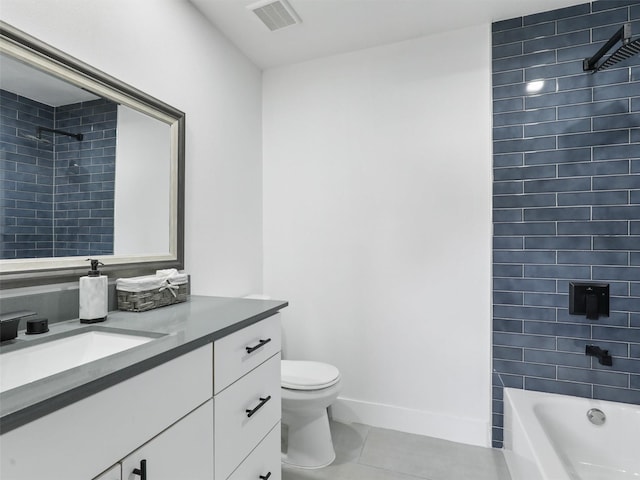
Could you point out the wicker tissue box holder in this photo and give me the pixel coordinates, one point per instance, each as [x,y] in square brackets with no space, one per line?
[140,294]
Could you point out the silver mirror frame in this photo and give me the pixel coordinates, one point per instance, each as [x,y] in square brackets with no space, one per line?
[35,272]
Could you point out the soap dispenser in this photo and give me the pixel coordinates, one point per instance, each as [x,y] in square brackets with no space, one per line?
[93,295]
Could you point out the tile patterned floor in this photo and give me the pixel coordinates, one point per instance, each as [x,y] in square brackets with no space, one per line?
[364,452]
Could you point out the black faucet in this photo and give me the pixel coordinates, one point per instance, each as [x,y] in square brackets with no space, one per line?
[603,355]
[9,324]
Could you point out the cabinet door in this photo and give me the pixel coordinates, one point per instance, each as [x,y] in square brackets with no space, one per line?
[184,451]
[114,473]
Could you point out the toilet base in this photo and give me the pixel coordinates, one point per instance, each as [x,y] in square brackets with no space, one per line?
[309,442]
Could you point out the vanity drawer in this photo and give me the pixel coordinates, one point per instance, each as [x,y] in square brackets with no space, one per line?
[242,351]
[264,460]
[237,433]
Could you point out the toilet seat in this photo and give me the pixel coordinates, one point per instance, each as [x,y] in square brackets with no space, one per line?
[306,375]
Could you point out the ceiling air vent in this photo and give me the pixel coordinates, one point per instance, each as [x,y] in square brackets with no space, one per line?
[275,14]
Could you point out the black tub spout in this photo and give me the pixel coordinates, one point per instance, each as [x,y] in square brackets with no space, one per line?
[603,355]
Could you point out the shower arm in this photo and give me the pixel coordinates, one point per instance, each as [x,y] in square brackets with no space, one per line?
[624,34]
[77,136]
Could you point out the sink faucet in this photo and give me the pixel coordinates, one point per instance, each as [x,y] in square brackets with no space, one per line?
[603,355]
[9,323]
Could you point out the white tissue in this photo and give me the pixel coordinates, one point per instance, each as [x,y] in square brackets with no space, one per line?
[169,272]
[152,282]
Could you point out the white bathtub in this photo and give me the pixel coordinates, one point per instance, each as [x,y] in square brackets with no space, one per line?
[549,437]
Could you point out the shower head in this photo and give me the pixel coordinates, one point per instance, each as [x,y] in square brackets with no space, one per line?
[77,136]
[34,138]
[625,51]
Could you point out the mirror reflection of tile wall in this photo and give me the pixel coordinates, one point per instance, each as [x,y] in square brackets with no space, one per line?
[57,192]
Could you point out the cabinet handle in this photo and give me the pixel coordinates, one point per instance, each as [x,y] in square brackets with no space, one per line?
[142,471]
[256,347]
[265,477]
[259,406]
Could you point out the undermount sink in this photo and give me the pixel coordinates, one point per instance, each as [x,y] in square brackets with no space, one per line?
[48,356]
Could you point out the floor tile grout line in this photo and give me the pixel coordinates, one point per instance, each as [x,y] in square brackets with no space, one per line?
[408,476]
[386,470]
[375,467]
[364,442]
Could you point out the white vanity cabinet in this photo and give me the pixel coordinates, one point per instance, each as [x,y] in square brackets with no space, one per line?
[209,414]
[247,402]
[235,435]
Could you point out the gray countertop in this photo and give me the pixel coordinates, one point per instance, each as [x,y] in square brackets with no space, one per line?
[186,326]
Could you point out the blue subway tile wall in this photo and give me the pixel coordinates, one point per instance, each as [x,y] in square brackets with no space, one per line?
[57,192]
[566,204]
[85,179]
[27,169]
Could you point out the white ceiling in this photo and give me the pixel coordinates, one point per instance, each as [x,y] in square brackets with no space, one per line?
[336,26]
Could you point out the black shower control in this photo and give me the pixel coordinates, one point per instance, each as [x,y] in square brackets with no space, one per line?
[590,299]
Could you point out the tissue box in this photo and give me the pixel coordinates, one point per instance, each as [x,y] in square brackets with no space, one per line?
[139,294]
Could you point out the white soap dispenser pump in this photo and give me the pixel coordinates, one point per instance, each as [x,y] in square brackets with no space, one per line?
[94,295]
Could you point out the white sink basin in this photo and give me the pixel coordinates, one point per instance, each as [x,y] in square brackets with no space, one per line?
[41,360]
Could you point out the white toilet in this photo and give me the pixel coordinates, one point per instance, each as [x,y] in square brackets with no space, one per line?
[308,388]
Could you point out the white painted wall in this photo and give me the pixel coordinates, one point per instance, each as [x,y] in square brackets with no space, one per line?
[168,50]
[377,218]
[143,175]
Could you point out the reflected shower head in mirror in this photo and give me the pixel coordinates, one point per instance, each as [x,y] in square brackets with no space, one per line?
[78,136]
[34,138]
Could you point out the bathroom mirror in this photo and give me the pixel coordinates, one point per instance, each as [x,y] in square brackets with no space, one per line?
[90,167]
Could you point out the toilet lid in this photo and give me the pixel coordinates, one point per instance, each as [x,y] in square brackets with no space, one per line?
[305,375]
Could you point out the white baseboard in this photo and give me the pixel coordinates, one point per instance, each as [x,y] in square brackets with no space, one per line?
[456,429]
